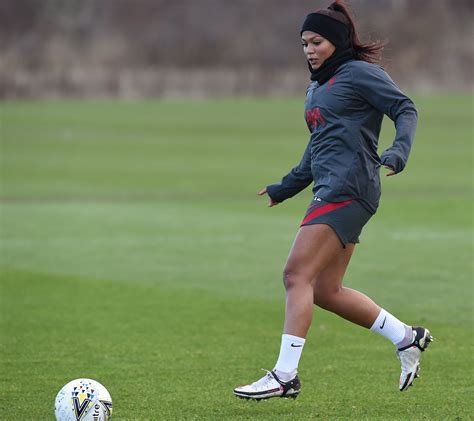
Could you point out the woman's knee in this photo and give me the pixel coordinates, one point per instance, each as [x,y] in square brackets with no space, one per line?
[293,278]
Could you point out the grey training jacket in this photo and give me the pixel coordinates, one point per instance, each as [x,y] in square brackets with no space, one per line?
[344,116]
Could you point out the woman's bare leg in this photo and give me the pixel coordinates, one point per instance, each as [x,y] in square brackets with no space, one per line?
[328,292]
[360,309]
[315,247]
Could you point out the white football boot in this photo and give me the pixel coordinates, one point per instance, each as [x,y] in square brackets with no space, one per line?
[269,386]
[410,356]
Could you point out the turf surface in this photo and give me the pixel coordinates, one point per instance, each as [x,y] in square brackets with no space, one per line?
[135,251]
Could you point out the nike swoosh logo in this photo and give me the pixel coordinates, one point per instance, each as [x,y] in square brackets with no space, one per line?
[383,324]
[296,346]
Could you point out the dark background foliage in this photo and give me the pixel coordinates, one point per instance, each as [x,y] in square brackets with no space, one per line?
[147,47]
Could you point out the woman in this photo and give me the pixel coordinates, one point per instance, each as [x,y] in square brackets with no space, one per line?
[345,105]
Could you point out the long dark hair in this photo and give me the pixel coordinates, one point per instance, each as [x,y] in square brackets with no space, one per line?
[370,51]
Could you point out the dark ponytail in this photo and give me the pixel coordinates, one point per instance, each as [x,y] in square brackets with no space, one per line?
[371,51]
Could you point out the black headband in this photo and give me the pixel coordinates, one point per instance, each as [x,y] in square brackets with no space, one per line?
[328,27]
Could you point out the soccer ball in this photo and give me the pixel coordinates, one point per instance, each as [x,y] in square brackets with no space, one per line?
[84,400]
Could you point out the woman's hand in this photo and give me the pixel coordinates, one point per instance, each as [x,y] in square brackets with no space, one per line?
[271,202]
[392,171]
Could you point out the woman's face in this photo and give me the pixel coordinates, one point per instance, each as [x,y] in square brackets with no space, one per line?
[316,48]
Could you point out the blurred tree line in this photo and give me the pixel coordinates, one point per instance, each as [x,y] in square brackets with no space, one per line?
[214,47]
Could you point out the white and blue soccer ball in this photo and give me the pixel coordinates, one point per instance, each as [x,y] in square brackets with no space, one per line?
[83,400]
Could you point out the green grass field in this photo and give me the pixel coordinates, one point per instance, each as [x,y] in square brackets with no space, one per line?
[135,251]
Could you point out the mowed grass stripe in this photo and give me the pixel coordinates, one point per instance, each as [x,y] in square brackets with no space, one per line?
[157,348]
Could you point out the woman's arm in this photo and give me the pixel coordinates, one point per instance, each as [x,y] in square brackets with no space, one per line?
[377,88]
[295,181]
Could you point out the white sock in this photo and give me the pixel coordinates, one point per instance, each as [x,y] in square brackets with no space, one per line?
[290,354]
[393,329]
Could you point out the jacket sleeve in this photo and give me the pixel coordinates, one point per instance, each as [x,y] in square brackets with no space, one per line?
[295,181]
[376,87]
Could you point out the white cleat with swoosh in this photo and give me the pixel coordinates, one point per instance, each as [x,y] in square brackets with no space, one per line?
[410,356]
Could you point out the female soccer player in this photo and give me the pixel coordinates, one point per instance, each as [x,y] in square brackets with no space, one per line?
[345,104]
